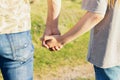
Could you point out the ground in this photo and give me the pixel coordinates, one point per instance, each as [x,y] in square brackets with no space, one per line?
[69,73]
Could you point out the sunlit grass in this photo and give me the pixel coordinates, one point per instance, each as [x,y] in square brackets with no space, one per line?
[72,54]
[75,51]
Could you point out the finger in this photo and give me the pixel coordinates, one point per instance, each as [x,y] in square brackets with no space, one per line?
[45,41]
[48,38]
[61,46]
[57,48]
[44,44]
[53,48]
[50,49]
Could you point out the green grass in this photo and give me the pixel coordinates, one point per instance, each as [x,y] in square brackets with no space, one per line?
[72,54]
[75,50]
[84,79]
[0,76]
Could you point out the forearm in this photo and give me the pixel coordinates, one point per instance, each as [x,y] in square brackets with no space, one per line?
[54,7]
[87,22]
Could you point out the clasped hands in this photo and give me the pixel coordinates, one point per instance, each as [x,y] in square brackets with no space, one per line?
[52,42]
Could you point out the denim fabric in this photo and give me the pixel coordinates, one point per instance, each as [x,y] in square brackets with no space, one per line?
[16,70]
[16,46]
[16,56]
[112,73]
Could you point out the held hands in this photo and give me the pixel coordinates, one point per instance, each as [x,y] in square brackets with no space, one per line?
[51,39]
[53,43]
[48,32]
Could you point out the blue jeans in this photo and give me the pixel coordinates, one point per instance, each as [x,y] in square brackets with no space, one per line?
[16,56]
[112,73]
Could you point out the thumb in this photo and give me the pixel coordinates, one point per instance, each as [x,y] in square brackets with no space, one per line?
[48,38]
[44,38]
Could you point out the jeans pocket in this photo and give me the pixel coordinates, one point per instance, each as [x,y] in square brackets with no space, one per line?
[21,45]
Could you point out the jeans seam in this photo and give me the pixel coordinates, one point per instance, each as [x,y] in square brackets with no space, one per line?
[12,48]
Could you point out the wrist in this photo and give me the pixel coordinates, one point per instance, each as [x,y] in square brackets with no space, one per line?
[63,40]
[47,31]
[55,31]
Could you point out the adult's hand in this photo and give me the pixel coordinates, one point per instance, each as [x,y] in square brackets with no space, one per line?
[54,42]
[54,7]
[48,32]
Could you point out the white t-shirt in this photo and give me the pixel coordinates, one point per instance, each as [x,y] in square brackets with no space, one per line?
[104,47]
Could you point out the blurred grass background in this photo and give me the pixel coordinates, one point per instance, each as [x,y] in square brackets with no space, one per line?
[73,54]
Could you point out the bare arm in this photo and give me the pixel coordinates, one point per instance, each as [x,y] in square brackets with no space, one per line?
[54,7]
[87,22]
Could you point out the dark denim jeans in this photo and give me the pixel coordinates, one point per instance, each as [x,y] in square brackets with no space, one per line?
[16,56]
[112,73]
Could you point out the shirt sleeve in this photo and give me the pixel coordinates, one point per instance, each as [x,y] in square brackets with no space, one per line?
[97,6]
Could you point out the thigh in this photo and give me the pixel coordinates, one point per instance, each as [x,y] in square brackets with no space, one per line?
[16,56]
[112,73]
[16,70]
